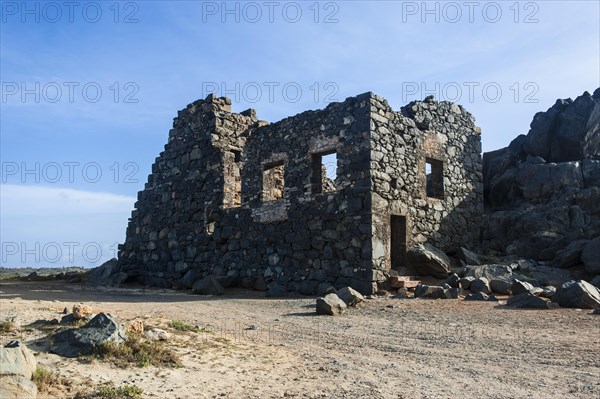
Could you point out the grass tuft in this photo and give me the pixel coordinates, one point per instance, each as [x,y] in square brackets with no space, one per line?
[45,379]
[7,326]
[112,392]
[180,326]
[136,351]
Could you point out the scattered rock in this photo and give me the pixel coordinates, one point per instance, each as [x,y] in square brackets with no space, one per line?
[453,281]
[80,311]
[17,359]
[444,293]
[208,286]
[325,288]
[480,296]
[577,294]
[519,287]
[135,326]
[427,291]
[480,284]
[546,292]
[331,305]
[465,282]
[428,260]
[82,341]
[526,300]
[157,334]
[499,277]
[350,296]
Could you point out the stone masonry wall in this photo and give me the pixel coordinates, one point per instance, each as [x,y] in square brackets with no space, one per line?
[188,225]
[249,202]
[402,142]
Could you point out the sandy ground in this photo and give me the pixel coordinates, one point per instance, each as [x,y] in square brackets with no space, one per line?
[273,348]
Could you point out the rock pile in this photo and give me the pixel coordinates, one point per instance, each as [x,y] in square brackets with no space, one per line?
[336,303]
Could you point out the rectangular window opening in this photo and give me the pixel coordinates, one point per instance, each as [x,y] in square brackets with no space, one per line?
[434,175]
[324,172]
[273,182]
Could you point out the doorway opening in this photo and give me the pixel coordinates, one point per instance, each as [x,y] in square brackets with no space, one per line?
[398,241]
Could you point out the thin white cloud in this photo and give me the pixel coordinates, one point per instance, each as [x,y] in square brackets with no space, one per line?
[52,226]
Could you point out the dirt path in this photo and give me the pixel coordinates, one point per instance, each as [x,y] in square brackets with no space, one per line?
[389,348]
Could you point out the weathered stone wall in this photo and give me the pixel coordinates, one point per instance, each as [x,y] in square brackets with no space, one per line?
[249,202]
[168,228]
[188,224]
[442,133]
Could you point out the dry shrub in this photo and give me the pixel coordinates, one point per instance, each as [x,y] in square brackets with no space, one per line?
[46,380]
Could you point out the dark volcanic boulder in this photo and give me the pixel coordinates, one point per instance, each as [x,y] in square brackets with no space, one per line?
[520,287]
[577,294]
[428,260]
[432,291]
[499,277]
[526,300]
[82,341]
[107,274]
[480,296]
[480,284]
[208,286]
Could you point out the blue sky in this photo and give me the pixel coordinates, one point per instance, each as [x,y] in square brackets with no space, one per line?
[89,90]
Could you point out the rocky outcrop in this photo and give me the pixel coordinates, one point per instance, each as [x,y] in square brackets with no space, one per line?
[82,341]
[17,365]
[542,192]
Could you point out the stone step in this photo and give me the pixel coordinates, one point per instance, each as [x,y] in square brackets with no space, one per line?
[411,284]
[403,282]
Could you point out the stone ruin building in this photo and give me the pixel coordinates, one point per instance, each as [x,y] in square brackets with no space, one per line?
[251,203]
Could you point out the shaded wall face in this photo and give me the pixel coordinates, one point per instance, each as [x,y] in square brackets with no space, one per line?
[426,169]
[173,211]
[302,231]
[238,201]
